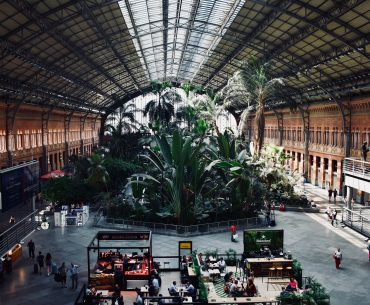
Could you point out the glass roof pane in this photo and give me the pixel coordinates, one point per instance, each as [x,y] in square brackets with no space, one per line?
[190,23]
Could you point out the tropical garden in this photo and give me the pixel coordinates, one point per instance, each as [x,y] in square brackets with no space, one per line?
[182,167]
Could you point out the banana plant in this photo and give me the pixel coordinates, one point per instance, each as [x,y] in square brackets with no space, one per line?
[181,171]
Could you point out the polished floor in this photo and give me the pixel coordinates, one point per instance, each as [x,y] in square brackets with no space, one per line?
[310,238]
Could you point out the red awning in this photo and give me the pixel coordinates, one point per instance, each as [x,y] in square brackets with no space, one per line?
[54,174]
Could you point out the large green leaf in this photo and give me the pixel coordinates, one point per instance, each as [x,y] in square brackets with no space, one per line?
[177,142]
[165,149]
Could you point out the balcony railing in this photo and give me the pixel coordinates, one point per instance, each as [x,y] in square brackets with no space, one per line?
[356,221]
[357,168]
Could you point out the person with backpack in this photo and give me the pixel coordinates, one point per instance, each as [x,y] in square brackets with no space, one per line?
[74,275]
[62,272]
[40,261]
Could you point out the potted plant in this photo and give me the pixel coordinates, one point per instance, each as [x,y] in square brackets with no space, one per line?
[230,257]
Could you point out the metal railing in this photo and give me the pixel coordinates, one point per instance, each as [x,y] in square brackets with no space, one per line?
[357,168]
[12,236]
[179,230]
[356,221]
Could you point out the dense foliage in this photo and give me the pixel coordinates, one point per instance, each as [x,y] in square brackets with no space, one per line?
[181,168]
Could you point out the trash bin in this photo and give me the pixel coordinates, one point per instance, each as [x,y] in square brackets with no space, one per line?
[7,264]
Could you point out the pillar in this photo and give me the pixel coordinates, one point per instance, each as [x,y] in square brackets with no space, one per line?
[322,173]
[339,184]
[330,174]
[350,193]
[314,171]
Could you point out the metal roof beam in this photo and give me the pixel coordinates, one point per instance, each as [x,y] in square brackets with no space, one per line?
[17,87]
[261,26]
[307,30]
[317,25]
[37,62]
[45,25]
[127,3]
[165,33]
[90,15]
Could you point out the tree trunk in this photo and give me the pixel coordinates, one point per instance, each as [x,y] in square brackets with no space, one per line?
[260,129]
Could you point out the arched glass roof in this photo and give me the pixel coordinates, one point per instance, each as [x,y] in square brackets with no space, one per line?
[93,55]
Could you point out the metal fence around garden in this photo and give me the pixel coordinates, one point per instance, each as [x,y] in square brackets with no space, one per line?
[17,232]
[356,220]
[178,230]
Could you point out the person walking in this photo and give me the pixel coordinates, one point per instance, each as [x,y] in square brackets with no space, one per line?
[330,192]
[40,261]
[364,150]
[74,275]
[335,193]
[334,217]
[31,249]
[233,232]
[63,275]
[368,248]
[338,258]
[48,263]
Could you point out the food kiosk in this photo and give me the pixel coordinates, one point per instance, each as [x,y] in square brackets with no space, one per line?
[117,257]
[264,250]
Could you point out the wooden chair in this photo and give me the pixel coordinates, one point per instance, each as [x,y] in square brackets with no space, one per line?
[279,270]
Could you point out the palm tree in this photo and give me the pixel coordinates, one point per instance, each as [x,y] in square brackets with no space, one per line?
[126,123]
[162,108]
[262,90]
[210,111]
[98,174]
[237,100]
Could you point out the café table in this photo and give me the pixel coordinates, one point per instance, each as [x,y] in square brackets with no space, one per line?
[212,259]
[104,293]
[187,300]
[213,265]
[144,290]
[180,290]
[213,273]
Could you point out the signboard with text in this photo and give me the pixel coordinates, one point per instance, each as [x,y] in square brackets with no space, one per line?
[255,240]
[19,184]
[123,236]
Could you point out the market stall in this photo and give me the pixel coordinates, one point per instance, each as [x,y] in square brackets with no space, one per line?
[121,256]
[74,215]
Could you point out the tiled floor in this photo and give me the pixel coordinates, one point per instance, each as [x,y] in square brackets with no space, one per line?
[310,238]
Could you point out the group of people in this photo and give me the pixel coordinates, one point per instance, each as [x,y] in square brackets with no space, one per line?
[205,263]
[60,274]
[332,215]
[333,194]
[235,288]
[95,298]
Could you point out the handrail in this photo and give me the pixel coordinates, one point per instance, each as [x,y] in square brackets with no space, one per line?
[356,167]
[356,221]
[180,230]
[17,232]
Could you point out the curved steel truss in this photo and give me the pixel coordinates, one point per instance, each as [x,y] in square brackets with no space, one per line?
[92,55]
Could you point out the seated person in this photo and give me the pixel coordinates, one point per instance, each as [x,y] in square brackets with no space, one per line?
[201,261]
[251,289]
[234,290]
[292,285]
[228,276]
[189,290]
[221,265]
[173,289]
[152,291]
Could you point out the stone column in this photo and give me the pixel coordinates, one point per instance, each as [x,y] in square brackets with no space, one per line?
[314,171]
[339,184]
[330,174]
[322,173]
